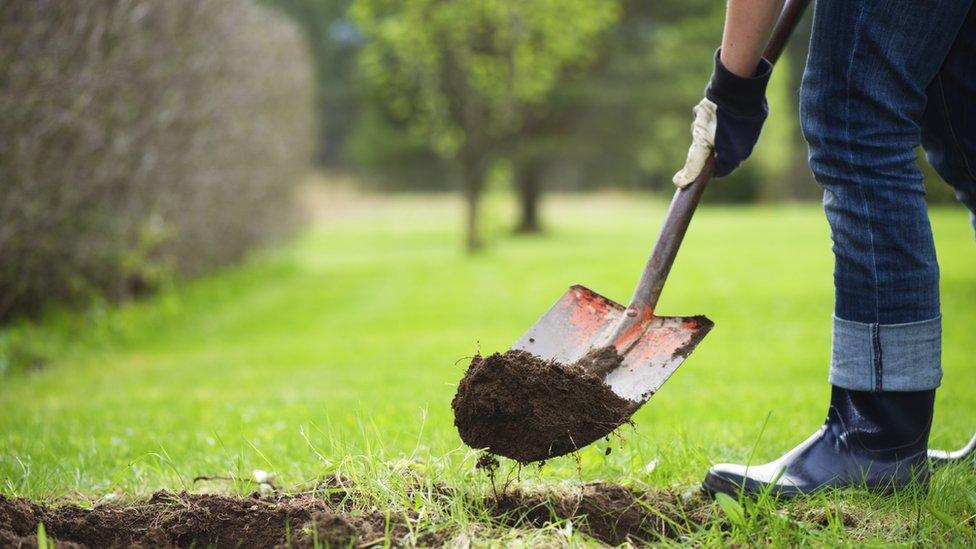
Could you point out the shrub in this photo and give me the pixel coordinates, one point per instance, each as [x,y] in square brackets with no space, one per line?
[142,139]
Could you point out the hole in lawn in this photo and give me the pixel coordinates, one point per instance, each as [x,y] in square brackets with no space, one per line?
[608,512]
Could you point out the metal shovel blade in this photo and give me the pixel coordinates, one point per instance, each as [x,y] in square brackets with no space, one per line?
[583,319]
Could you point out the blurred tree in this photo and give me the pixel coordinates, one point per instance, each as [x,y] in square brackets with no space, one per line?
[626,124]
[528,185]
[333,41]
[614,107]
[467,75]
[534,150]
[618,116]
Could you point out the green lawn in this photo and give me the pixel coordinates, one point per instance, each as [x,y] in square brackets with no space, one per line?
[341,350]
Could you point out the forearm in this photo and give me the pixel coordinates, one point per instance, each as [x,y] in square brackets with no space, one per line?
[748,25]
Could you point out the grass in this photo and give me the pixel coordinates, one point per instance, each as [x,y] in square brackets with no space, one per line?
[340,352]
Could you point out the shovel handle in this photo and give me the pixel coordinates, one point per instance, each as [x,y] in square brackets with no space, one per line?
[686,200]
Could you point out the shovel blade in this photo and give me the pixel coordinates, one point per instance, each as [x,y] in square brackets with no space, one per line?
[582,319]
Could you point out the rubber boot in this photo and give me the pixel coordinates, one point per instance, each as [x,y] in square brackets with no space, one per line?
[870,440]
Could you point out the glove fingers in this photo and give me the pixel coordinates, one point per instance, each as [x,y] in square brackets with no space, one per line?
[702,143]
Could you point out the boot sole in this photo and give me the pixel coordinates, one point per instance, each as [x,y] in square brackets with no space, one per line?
[713,484]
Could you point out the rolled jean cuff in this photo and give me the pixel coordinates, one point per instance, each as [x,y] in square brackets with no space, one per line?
[886,357]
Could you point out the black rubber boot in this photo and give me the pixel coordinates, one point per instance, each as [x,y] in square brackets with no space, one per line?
[870,440]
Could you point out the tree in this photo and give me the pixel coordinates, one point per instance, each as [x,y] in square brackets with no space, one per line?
[528,185]
[467,75]
[332,41]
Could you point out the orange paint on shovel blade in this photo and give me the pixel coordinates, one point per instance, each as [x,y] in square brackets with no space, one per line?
[589,313]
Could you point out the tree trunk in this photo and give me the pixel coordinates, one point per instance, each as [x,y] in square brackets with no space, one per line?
[473,180]
[528,182]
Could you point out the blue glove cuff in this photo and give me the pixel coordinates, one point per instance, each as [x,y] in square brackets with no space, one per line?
[738,95]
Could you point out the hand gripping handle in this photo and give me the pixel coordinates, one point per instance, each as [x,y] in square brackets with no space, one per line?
[685,200]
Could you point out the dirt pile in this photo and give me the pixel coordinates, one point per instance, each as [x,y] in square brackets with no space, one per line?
[608,512]
[528,409]
[199,520]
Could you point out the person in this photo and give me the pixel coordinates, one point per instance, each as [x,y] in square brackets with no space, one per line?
[882,77]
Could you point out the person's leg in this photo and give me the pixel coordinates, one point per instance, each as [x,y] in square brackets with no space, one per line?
[949,123]
[862,99]
[864,95]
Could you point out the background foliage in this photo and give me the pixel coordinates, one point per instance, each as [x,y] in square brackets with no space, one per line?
[145,139]
[141,139]
[474,78]
[615,111]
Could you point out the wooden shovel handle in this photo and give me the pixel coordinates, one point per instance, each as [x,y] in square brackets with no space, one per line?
[686,200]
[788,19]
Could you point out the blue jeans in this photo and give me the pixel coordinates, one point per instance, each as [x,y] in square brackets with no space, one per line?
[882,78]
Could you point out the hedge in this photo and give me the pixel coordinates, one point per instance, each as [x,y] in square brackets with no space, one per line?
[141,140]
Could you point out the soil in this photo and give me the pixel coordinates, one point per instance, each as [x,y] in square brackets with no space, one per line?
[522,407]
[705,325]
[600,361]
[608,512]
[200,520]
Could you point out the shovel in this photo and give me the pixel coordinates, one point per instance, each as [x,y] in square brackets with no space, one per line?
[652,346]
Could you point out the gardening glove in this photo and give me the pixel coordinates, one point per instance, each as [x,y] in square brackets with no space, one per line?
[727,121]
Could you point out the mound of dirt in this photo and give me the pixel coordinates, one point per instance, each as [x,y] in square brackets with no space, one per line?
[528,409]
[608,512]
[195,520]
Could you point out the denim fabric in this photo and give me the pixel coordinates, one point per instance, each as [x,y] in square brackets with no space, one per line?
[949,123]
[882,77]
[886,356]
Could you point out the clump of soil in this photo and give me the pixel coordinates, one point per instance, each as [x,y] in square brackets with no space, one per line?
[487,462]
[528,409]
[609,512]
[600,361]
[199,520]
